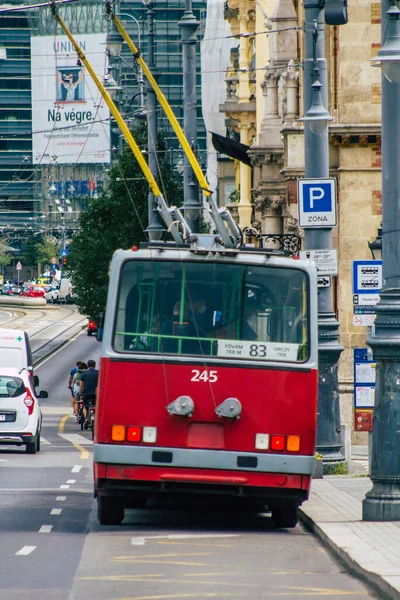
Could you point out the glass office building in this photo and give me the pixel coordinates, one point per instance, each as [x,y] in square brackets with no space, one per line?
[25,200]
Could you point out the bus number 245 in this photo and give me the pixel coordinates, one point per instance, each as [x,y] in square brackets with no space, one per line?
[206,375]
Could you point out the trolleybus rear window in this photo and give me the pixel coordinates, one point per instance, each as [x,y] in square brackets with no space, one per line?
[220,310]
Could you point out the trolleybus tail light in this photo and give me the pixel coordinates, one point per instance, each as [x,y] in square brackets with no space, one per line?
[149,435]
[29,402]
[262,441]
[293,443]
[134,434]
[118,433]
[277,442]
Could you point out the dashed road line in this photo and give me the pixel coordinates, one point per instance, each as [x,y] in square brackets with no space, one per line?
[141,540]
[83,451]
[71,480]
[76,468]
[64,487]
[62,423]
[61,498]
[56,511]
[45,528]
[25,550]
[75,438]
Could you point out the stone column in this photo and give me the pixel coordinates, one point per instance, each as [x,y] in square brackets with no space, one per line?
[271,123]
[290,78]
[245,207]
[244,63]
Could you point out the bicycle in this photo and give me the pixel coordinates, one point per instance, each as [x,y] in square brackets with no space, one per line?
[81,414]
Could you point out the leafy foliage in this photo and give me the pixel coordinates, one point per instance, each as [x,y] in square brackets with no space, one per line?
[46,249]
[116,220]
[5,258]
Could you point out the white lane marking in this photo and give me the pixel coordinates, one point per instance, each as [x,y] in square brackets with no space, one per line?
[44,441]
[25,550]
[56,511]
[140,541]
[75,438]
[76,468]
[3,460]
[61,498]
[45,528]
[71,480]
[64,487]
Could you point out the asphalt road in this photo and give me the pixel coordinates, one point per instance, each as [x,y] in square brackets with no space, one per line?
[51,546]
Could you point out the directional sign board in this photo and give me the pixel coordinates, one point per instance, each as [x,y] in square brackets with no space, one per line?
[365,299]
[317,202]
[325,260]
[367,277]
[324,281]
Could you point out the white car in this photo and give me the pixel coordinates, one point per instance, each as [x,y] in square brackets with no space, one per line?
[52,295]
[20,414]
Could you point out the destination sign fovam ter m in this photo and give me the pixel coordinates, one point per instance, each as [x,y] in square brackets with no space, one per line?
[258,350]
[317,202]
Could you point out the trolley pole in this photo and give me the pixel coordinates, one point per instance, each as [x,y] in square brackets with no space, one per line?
[155,228]
[189,25]
[317,167]
[382,503]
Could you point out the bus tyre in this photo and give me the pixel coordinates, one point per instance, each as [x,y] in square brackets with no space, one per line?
[285,516]
[110,511]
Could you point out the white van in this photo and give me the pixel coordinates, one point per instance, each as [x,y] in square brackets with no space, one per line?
[65,292]
[15,349]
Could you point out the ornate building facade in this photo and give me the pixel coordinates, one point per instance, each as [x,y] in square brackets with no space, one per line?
[268,120]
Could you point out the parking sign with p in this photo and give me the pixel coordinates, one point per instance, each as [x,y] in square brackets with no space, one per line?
[317,202]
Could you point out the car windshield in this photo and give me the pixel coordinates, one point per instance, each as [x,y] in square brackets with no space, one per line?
[11,387]
[221,310]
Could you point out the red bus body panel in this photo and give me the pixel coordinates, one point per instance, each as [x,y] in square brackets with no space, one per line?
[275,401]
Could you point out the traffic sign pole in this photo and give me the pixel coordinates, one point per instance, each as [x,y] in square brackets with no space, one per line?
[316,155]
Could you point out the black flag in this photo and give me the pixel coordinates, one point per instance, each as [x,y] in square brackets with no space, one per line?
[230,148]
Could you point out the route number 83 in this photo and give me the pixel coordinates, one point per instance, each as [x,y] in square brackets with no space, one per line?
[210,376]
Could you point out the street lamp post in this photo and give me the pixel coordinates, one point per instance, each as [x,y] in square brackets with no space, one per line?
[155,229]
[189,25]
[382,503]
[316,146]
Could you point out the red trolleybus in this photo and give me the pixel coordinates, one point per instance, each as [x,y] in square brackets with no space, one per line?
[208,380]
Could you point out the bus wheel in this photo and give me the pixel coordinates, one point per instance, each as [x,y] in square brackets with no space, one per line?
[110,511]
[285,516]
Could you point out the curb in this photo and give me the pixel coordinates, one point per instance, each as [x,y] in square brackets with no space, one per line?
[374,581]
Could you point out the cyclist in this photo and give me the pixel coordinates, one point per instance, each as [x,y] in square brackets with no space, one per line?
[70,378]
[76,387]
[88,387]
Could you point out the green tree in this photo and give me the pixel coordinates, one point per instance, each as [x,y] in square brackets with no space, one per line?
[116,220]
[5,258]
[46,249]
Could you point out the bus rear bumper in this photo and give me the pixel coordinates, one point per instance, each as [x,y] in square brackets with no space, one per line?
[136,481]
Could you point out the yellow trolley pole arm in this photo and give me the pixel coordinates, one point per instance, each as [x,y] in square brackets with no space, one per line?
[113,109]
[167,109]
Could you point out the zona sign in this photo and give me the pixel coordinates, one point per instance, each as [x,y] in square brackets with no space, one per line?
[317,202]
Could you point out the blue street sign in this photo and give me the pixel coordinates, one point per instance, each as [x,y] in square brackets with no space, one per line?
[367,276]
[317,202]
[64,253]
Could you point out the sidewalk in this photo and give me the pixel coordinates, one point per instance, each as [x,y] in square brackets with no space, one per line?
[334,513]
